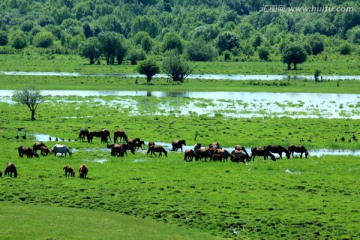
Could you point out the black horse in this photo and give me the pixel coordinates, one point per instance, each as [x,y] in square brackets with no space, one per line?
[278,149]
[258,151]
[298,149]
[178,144]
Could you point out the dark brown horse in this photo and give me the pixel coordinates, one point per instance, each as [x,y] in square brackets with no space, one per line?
[135,142]
[157,148]
[83,171]
[212,147]
[178,144]
[239,156]
[103,134]
[203,153]
[298,149]
[69,171]
[37,146]
[120,149]
[189,155]
[27,151]
[44,151]
[239,147]
[121,135]
[278,149]
[84,133]
[10,170]
[259,151]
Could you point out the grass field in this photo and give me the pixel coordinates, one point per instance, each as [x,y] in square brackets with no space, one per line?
[145,197]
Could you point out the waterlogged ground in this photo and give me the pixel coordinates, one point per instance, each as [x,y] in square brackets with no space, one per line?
[227,104]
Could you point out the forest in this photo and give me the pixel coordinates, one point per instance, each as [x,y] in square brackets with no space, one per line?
[203,30]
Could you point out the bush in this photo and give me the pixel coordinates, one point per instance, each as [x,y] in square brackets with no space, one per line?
[345,49]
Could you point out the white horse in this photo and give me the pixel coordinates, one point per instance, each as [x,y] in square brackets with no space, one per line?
[60,149]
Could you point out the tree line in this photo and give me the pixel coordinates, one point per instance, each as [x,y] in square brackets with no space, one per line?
[206,30]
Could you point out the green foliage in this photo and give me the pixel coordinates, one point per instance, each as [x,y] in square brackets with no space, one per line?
[135,55]
[264,54]
[228,41]
[91,48]
[345,49]
[200,51]
[294,54]
[43,39]
[31,97]
[149,68]
[354,35]
[18,40]
[316,44]
[172,41]
[3,38]
[175,67]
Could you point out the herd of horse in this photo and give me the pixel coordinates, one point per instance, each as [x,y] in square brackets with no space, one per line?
[122,144]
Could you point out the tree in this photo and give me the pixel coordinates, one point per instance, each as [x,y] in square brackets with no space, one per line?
[90,48]
[172,41]
[149,68]
[264,53]
[3,38]
[175,67]
[294,54]
[110,46]
[30,97]
[200,51]
[18,40]
[316,44]
[228,41]
[43,39]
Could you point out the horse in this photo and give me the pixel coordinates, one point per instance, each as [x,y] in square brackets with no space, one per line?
[197,146]
[239,156]
[27,151]
[69,171]
[258,151]
[177,144]
[120,149]
[136,143]
[100,134]
[278,149]
[157,148]
[239,147]
[298,149]
[37,146]
[224,152]
[83,170]
[60,149]
[151,144]
[0,173]
[189,155]
[120,134]
[218,156]
[203,153]
[106,133]
[212,147]
[83,133]
[44,151]
[10,170]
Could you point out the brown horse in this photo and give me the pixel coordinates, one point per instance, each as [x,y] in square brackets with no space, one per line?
[69,171]
[83,171]
[157,148]
[278,149]
[44,151]
[239,156]
[259,151]
[298,149]
[224,153]
[27,151]
[121,135]
[120,149]
[83,133]
[178,144]
[37,146]
[212,147]
[239,147]
[189,155]
[136,143]
[10,170]
[203,153]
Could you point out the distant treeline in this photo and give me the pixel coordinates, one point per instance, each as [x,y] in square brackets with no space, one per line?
[201,30]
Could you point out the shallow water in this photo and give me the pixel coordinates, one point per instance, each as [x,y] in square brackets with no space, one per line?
[228,104]
[235,77]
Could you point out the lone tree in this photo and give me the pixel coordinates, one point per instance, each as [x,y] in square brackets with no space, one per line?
[30,97]
[294,55]
[175,67]
[149,68]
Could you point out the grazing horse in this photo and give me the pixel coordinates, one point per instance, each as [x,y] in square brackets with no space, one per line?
[44,151]
[212,147]
[298,149]
[0,173]
[136,143]
[83,133]
[120,149]
[218,156]
[189,155]
[224,152]
[157,148]
[106,133]
[239,147]
[197,146]
[100,134]
[178,144]
[278,149]
[121,135]
[239,156]
[60,149]
[258,151]
[27,151]
[83,170]
[10,170]
[69,171]
[37,146]
[203,153]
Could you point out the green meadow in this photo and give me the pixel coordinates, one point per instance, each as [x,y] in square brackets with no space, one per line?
[145,197]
